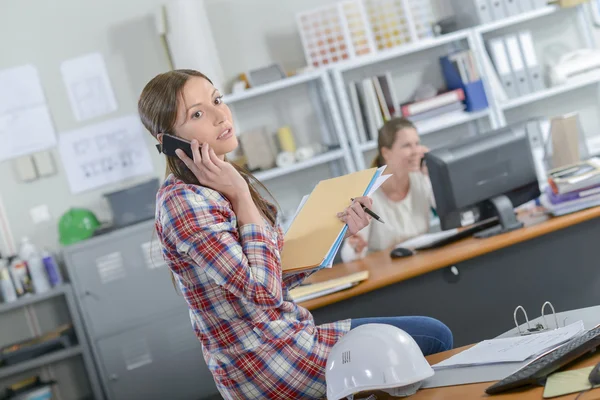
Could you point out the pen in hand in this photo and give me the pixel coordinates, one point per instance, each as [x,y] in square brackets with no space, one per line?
[371,213]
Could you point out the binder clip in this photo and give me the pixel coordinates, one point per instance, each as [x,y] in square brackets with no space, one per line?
[538,327]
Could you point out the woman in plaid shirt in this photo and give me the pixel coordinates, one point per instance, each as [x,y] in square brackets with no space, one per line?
[222,243]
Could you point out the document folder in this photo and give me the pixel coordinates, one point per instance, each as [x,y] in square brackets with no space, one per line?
[517,64]
[316,234]
[315,290]
[500,58]
[534,71]
[512,7]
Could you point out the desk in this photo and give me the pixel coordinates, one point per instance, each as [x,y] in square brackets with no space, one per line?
[554,260]
[477,391]
[590,317]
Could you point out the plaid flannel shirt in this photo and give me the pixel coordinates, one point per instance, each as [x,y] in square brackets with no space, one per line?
[256,341]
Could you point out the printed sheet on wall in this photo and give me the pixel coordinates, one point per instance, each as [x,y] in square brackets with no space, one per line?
[25,123]
[105,153]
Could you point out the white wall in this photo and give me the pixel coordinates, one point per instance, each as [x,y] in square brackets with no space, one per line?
[44,33]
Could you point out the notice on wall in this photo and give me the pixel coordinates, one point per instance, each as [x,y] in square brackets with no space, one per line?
[88,86]
[105,153]
[25,123]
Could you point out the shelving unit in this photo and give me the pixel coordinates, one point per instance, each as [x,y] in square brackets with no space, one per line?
[339,76]
[286,83]
[40,361]
[437,124]
[547,93]
[337,120]
[33,298]
[515,19]
[82,349]
[401,51]
[584,28]
[474,39]
[319,159]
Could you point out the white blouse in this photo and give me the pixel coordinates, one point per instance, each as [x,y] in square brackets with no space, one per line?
[403,219]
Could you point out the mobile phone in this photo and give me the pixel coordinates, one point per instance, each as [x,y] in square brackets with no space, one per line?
[171,143]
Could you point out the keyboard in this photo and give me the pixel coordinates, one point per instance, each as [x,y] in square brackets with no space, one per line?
[461,234]
[538,369]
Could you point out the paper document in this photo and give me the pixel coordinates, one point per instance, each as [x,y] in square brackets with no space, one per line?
[427,239]
[88,86]
[105,153]
[380,180]
[324,292]
[25,123]
[514,349]
[314,290]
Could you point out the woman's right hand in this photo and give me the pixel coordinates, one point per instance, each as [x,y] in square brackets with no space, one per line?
[357,243]
[213,172]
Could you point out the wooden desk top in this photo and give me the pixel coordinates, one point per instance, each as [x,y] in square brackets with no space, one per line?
[383,271]
[477,391]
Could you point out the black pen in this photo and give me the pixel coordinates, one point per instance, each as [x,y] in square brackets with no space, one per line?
[371,213]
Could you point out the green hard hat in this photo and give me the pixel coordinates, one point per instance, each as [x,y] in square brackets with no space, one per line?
[75,225]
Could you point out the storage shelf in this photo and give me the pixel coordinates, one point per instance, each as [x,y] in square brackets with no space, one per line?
[437,124]
[34,298]
[448,121]
[273,86]
[299,166]
[547,93]
[400,51]
[516,19]
[40,361]
[424,44]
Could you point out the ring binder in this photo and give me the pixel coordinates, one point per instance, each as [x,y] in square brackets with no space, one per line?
[538,327]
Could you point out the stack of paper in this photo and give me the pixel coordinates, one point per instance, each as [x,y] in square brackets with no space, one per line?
[320,289]
[515,349]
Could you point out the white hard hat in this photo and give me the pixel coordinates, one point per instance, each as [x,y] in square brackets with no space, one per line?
[375,357]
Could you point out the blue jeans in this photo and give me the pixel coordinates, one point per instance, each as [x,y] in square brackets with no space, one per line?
[431,335]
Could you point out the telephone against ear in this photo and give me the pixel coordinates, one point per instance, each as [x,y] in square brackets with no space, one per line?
[170,143]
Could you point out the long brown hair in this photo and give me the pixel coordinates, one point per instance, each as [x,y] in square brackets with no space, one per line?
[387,137]
[157,108]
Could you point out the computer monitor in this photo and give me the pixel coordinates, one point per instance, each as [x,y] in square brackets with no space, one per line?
[487,175]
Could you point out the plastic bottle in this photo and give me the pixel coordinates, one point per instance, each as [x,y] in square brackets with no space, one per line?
[20,276]
[7,289]
[52,269]
[31,255]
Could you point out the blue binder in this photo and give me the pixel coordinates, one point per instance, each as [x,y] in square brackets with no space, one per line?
[475,98]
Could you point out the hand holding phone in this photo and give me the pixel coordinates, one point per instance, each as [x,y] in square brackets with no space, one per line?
[216,173]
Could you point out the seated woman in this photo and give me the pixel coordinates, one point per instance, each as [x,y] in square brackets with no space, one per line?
[221,241]
[404,201]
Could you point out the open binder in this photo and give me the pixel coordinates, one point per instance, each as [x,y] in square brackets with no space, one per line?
[316,233]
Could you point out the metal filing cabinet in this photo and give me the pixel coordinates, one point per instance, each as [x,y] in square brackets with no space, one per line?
[138,325]
[161,360]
